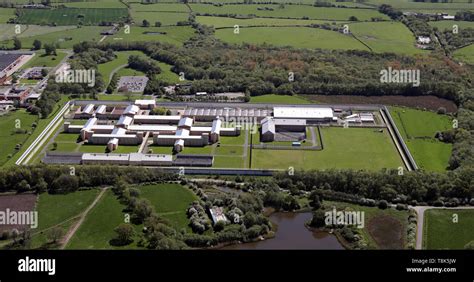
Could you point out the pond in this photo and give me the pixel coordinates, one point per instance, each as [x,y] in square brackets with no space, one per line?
[292,234]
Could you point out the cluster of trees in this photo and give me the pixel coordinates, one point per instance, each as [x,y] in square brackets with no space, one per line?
[262,70]
[145,65]
[199,221]
[59,179]
[465,16]
[113,83]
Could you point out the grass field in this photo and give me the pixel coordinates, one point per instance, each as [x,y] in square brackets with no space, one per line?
[64,38]
[98,228]
[443,25]
[171,202]
[160,7]
[165,18]
[167,75]
[8,137]
[344,148]
[465,54]
[231,22]
[60,210]
[299,37]
[440,232]
[388,233]
[279,99]
[122,59]
[6,14]
[72,16]
[174,35]
[96,4]
[42,60]
[289,11]
[418,129]
[399,40]
[8,31]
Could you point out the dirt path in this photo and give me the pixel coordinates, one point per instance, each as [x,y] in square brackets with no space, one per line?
[82,216]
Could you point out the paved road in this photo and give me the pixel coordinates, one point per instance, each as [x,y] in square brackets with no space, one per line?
[420,211]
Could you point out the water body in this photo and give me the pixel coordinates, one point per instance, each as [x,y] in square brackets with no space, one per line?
[292,234]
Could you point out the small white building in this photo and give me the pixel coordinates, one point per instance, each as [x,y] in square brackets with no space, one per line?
[217,214]
[423,39]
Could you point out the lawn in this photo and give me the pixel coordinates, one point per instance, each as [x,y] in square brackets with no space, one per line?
[123,149]
[98,228]
[8,31]
[92,148]
[279,99]
[344,148]
[59,209]
[6,14]
[72,16]
[388,233]
[465,54]
[299,37]
[399,40]
[440,232]
[166,75]
[229,162]
[289,11]
[171,202]
[42,60]
[9,138]
[418,129]
[173,34]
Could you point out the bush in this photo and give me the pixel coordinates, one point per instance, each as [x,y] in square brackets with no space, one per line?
[441,110]
[383,204]
[401,207]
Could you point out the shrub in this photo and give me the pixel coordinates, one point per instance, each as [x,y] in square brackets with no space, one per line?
[383,204]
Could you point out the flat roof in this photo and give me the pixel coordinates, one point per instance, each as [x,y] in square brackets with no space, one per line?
[149,127]
[157,117]
[302,112]
[290,121]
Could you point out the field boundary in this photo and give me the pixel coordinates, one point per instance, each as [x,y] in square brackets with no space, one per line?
[39,141]
[398,140]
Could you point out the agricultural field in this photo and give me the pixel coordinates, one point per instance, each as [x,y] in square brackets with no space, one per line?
[6,14]
[383,229]
[418,129]
[344,148]
[440,232]
[171,202]
[72,16]
[465,54]
[15,128]
[160,7]
[443,25]
[219,22]
[96,4]
[382,37]
[166,13]
[298,37]
[173,35]
[288,11]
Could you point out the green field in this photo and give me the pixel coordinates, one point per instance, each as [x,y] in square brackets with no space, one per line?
[344,148]
[372,213]
[64,38]
[98,228]
[465,54]
[167,75]
[299,37]
[59,210]
[418,129]
[218,22]
[165,18]
[6,14]
[174,34]
[122,59]
[96,4]
[443,25]
[72,16]
[160,7]
[440,232]
[41,60]
[386,37]
[8,137]
[289,11]
[171,202]
[279,99]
